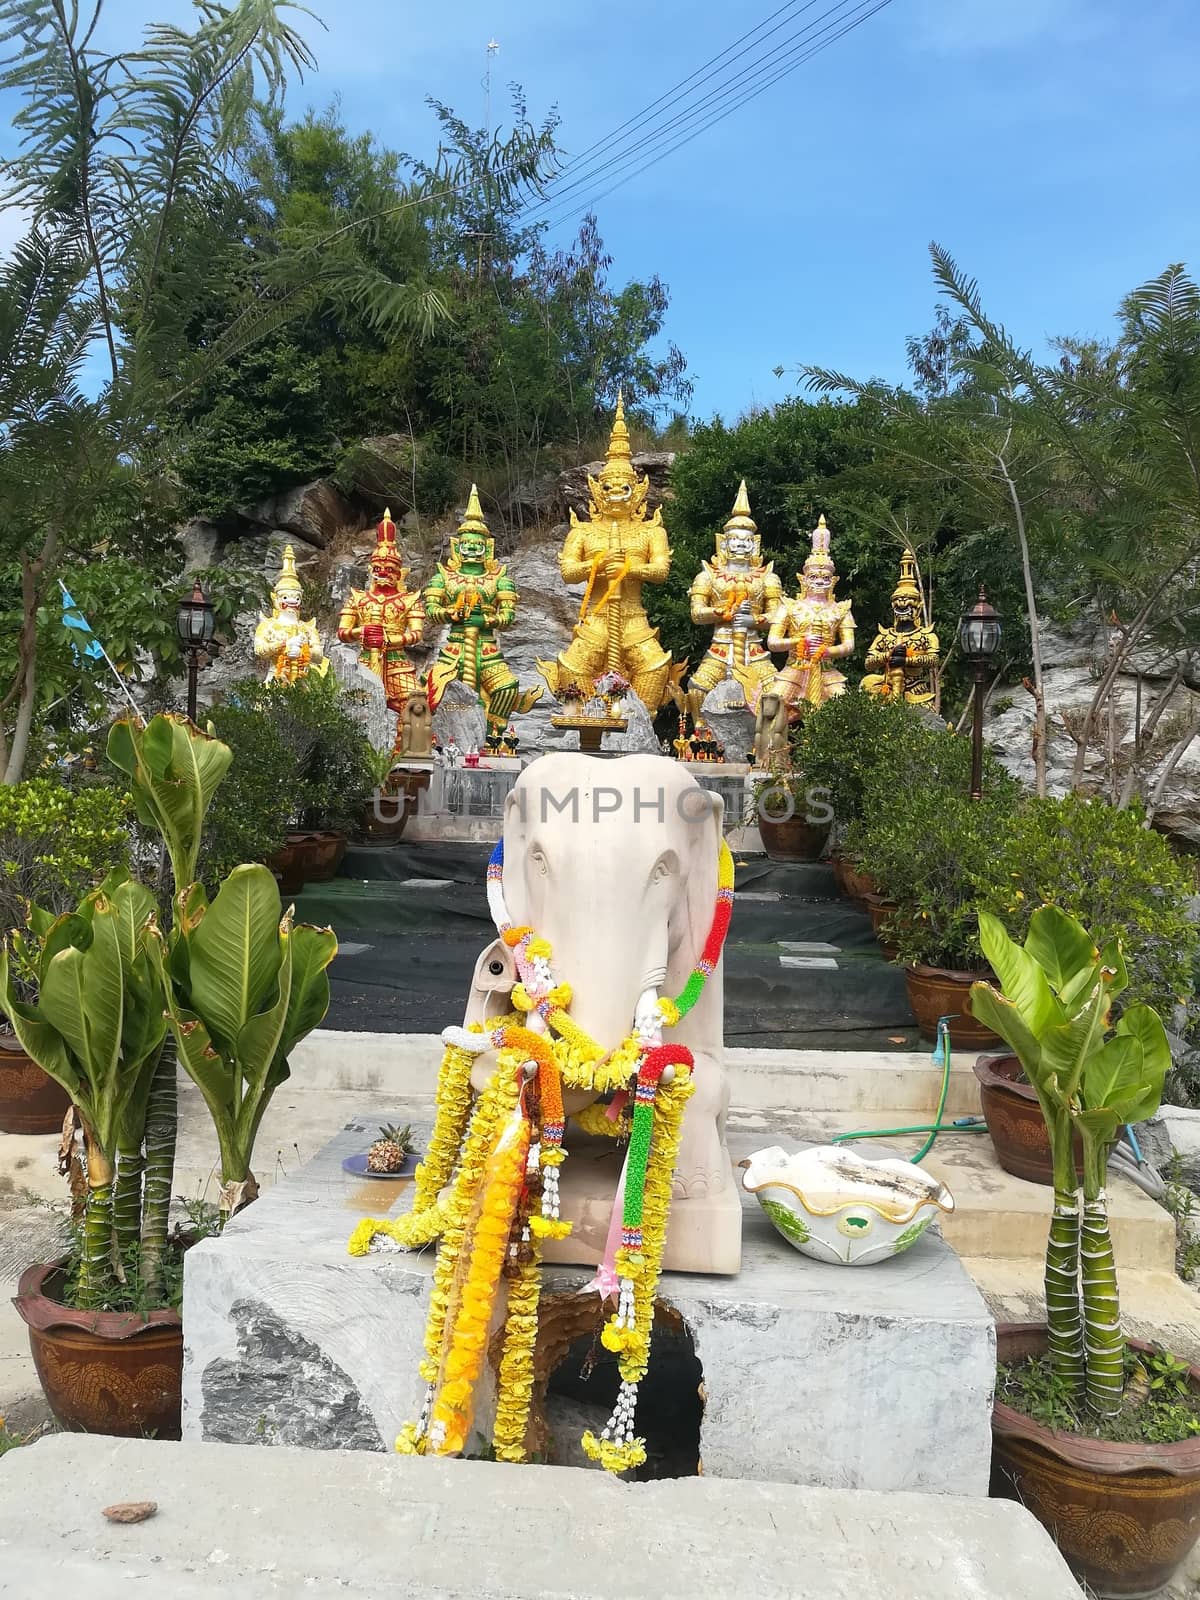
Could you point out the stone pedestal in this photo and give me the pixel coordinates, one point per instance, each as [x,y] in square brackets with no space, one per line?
[875,1377]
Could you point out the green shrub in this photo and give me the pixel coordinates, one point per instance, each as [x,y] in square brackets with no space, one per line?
[1118,877]
[56,843]
[252,810]
[317,764]
[871,755]
[932,849]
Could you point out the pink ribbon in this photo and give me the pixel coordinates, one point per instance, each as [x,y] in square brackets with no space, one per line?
[606,1282]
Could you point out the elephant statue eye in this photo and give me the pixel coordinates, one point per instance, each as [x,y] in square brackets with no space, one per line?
[538,859]
[665,867]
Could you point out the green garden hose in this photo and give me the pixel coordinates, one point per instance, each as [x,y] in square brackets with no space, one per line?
[962,1125]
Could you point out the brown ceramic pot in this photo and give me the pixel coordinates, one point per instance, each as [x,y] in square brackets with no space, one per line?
[322,851]
[792,839]
[103,1371]
[879,910]
[30,1102]
[1014,1118]
[1123,1515]
[307,856]
[935,992]
[851,880]
[384,821]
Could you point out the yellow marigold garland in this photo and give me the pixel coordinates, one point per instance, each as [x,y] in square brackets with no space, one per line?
[514,1389]
[594,1119]
[481,1214]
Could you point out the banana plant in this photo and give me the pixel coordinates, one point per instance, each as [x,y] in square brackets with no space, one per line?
[243,985]
[1091,1076]
[97,1028]
[174,769]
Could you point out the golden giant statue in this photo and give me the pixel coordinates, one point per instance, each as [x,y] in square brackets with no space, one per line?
[736,596]
[816,630]
[614,553]
[902,661]
[385,619]
[287,643]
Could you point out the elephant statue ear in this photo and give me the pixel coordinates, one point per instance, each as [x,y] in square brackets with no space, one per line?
[705,826]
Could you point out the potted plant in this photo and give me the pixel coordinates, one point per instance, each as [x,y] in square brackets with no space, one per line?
[238,986]
[1098,1435]
[332,767]
[56,842]
[392,801]
[1101,865]
[839,746]
[932,850]
[791,825]
[107,1344]
[242,984]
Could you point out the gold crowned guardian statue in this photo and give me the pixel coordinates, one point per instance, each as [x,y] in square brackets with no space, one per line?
[816,631]
[475,595]
[902,661]
[287,643]
[617,550]
[736,596]
[385,619]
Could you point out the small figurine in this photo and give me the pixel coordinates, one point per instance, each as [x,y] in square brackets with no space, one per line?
[473,592]
[288,643]
[415,727]
[736,595]
[816,630]
[385,620]
[902,661]
[617,550]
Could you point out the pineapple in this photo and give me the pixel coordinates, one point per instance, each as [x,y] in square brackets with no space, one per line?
[389,1150]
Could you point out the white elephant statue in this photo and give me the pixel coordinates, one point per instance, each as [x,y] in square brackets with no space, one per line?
[614,861]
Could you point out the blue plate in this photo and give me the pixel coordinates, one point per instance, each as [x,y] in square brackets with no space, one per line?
[357,1166]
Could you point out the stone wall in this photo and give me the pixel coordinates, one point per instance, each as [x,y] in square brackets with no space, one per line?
[1072,664]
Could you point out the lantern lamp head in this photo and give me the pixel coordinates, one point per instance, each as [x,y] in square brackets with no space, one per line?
[196,620]
[979,634]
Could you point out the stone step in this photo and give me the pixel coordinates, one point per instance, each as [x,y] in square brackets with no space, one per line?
[1156,1306]
[786,1080]
[265,1523]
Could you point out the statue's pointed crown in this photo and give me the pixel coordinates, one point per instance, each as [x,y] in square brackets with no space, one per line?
[288,581]
[741,520]
[820,556]
[472,521]
[387,549]
[908,588]
[618,439]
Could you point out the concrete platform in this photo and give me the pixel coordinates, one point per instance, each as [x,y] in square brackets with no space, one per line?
[876,1378]
[292,1522]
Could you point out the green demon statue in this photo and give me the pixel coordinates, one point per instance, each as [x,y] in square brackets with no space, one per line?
[475,595]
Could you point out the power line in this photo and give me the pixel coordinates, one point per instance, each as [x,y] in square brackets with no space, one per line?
[668,94]
[782,57]
[849,20]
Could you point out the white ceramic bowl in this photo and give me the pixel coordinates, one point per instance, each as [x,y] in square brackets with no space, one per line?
[835,1205]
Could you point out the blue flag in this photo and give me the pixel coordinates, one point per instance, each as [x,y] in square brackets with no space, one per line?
[74,618]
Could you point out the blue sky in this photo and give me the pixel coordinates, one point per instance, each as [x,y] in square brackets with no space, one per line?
[1051,145]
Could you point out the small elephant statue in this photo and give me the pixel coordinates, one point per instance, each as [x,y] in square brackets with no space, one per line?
[615,863]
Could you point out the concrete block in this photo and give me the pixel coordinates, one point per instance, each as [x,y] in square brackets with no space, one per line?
[875,1378]
[290,1522]
[1182,1125]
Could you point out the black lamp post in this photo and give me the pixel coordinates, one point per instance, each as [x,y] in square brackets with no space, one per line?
[979,642]
[195,624]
